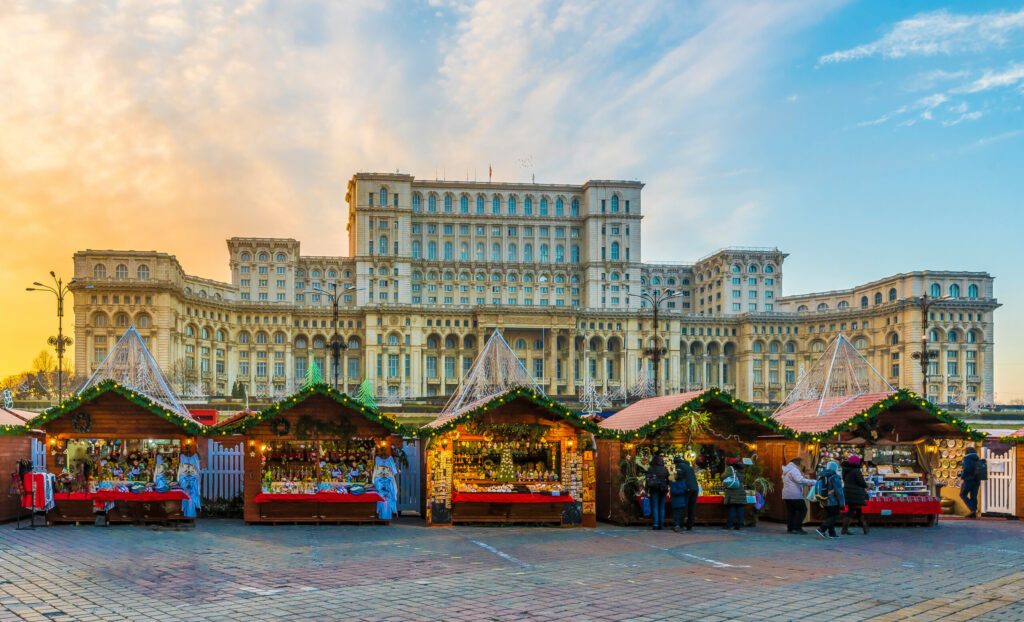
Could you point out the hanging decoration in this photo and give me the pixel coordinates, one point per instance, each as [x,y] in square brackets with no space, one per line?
[81,421]
[443,424]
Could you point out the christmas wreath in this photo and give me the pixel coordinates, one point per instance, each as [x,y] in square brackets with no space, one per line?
[281,427]
[81,422]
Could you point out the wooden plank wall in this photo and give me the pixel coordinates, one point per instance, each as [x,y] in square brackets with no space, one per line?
[12,449]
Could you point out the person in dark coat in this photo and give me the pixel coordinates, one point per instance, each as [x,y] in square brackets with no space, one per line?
[735,497]
[657,488]
[677,489]
[831,488]
[971,483]
[856,492]
[692,491]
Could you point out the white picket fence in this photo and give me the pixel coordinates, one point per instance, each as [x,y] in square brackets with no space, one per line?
[222,475]
[999,491]
[38,453]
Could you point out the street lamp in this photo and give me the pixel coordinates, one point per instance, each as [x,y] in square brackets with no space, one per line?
[60,342]
[337,346]
[924,355]
[655,299]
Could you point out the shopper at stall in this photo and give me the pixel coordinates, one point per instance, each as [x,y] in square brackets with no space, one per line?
[692,490]
[829,491]
[855,489]
[657,485]
[793,482]
[735,494]
[678,489]
[971,481]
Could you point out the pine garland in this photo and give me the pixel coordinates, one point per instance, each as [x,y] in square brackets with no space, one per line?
[531,395]
[92,393]
[275,410]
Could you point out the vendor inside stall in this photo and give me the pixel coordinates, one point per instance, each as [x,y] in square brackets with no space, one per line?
[516,457]
[710,430]
[320,456]
[119,456]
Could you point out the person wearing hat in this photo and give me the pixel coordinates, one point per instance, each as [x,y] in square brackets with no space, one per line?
[735,494]
[856,491]
[684,495]
[829,489]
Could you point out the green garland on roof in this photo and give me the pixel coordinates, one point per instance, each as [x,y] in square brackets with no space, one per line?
[92,393]
[532,396]
[900,397]
[698,403]
[275,410]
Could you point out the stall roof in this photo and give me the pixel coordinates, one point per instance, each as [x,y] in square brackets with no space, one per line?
[245,420]
[802,419]
[90,394]
[15,417]
[649,415]
[446,422]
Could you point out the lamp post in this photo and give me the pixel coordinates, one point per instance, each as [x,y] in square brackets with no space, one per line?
[924,355]
[337,345]
[60,342]
[655,298]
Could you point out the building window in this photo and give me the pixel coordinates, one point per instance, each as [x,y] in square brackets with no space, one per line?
[121,272]
[615,204]
[615,250]
[954,291]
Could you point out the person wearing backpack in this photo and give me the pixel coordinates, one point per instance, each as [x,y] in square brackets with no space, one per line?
[678,489]
[656,482]
[829,492]
[735,494]
[692,491]
[972,472]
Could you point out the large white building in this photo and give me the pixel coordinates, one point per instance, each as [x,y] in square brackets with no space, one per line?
[434,266]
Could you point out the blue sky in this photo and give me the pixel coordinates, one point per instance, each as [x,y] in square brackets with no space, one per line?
[862,138]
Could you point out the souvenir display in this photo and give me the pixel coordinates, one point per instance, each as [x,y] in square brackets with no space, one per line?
[137,465]
[309,467]
[951,457]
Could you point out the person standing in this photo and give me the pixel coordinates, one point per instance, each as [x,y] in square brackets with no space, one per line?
[793,482]
[855,489]
[971,481]
[829,489]
[735,494]
[657,486]
[692,490]
[678,489]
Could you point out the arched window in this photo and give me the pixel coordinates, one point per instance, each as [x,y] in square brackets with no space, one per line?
[615,203]
[143,272]
[544,258]
[972,291]
[468,342]
[383,197]
[575,209]
[261,338]
[801,309]
[392,339]
[892,294]
[143,321]
[615,251]
[448,204]
[463,204]
[936,290]
[894,339]
[432,342]
[933,335]
[528,252]
[204,332]
[480,204]
[560,253]
[513,254]
[544,206]
[449,342]
[353,343]
[495,204]
[818,346]
[279,338]
[448,251]
[951,336]
[790,347]
[495,252]
[863,302]
[769,269]
[383,248]
[221,335]
[245,257]
[319,343]
[301,343]
[417,203]
[528,206]
[822,306]
[190,331]
[511,206]
[860,343]
[559,207]
[121,320]
[758,347]
[121,271]
[954,291]
[417,249]
[773,347]
[878,298]
[843,305]
[280,257]
[243,337]
[264,257]
[520,344]
[99,319]
[99,271]
[575,253]
[752,268]
[464,252]
[972,336]
[432,203]
[431,250]
[736,268]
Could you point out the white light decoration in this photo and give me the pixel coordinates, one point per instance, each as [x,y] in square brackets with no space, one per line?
[495,370]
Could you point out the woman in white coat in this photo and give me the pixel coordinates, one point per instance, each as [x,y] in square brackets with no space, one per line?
[793,482]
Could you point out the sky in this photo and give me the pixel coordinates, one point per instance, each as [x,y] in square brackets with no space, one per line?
[863,138]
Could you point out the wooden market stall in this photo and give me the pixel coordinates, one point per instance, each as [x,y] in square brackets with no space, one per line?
[15,456]
[1016,472]
[120,455]
[515,457]
[319,456]
[704,427]
[911,450]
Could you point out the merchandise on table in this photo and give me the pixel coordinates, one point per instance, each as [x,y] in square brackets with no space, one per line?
[310,467]
[134,465]
[507,466]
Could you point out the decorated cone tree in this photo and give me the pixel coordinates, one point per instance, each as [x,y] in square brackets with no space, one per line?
[365,394]
[313,375]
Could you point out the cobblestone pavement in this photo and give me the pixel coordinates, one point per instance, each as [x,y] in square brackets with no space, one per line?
[225,570]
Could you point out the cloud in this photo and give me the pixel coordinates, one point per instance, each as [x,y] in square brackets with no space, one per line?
[937,33]
[1010,76]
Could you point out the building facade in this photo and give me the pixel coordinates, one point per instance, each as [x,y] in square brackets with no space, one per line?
[435,266]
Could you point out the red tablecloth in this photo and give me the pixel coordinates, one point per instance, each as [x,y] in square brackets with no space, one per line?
[114,495]
[509,497]
[710,500]
[72,496]
[320,497]
[927,505]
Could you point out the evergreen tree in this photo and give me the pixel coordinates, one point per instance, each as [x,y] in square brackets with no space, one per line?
[365,394]
[313,375]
